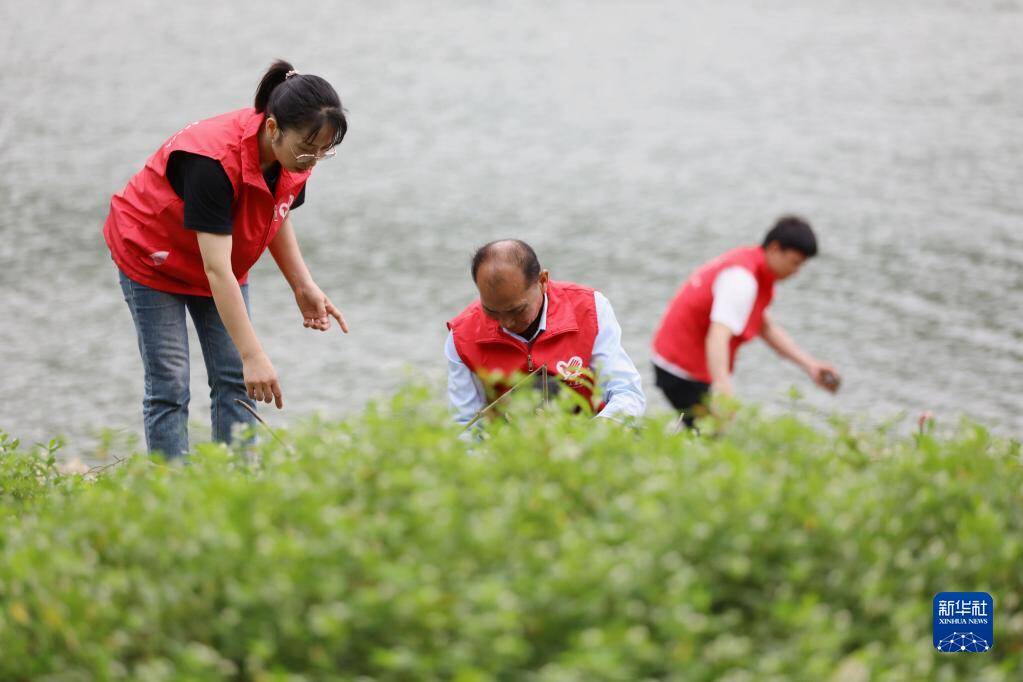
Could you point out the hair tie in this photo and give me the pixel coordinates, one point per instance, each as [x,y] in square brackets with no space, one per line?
[290,74]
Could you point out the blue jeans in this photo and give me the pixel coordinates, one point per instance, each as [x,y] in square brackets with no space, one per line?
[163,343]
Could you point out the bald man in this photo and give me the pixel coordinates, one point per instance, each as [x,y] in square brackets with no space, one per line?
[522,321]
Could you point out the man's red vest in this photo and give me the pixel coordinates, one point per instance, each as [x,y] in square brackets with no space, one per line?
[681,338]
[565,346]
[145,227]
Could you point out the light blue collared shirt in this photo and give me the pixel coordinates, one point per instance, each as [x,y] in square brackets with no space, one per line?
[618,379]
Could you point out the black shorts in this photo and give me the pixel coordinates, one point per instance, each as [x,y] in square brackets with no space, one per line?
[683,394]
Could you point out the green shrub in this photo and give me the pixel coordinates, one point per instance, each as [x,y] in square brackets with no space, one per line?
[556,549]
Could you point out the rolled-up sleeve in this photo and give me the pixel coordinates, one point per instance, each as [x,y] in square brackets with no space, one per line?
[617,376]
[465,390]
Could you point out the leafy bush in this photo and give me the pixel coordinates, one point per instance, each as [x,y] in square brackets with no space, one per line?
[557,548]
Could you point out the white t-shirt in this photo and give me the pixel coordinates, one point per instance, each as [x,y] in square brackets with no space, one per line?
[735,292]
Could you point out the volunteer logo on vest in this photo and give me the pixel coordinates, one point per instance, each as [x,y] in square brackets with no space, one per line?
[571,368]
[281,212]
[964,622]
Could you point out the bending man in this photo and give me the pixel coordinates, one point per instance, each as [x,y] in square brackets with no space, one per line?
[523,321]
[722,306]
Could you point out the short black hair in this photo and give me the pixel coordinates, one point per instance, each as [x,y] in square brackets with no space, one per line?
[511,250]
[793,232]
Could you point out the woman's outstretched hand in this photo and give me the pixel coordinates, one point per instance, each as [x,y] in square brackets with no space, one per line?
[317,309]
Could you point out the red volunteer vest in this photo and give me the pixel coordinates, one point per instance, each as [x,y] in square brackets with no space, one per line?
[565,346]
[682,335]
[145,227]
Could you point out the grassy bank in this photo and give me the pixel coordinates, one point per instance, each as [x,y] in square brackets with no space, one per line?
[556,549]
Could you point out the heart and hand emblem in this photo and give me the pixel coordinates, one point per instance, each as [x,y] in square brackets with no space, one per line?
[571,368]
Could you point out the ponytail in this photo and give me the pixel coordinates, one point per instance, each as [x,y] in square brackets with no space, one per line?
[273,77]
[300,101]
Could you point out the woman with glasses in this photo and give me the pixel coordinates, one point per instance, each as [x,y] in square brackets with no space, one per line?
[187,228]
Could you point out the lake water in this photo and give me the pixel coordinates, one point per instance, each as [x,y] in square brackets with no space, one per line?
[628,142]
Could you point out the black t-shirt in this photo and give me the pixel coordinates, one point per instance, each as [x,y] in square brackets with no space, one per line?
[207,192]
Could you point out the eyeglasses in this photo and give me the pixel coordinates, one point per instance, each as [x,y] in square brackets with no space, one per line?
[329,153]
